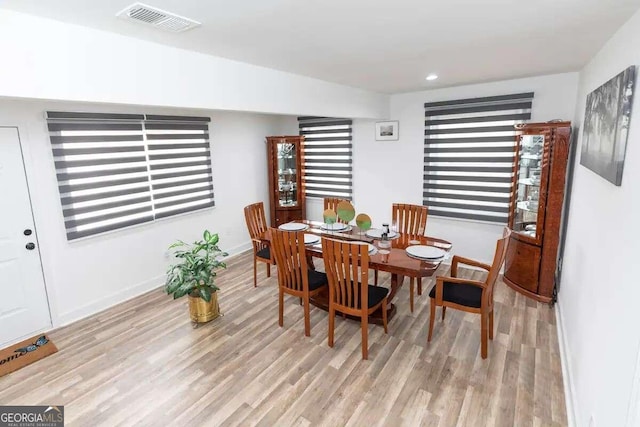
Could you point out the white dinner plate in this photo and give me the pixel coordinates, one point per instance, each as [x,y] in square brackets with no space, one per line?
[336,226]
[293,226]
[434,260]
[425,252]
[311,239]
[376,233]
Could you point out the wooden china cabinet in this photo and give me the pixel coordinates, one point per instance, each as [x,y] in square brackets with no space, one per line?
[286,190]
[536,209]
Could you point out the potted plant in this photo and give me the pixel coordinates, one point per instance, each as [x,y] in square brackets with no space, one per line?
[195,274]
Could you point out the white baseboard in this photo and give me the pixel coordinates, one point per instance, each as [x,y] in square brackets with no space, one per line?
[108,302]
[565,361]
[237,250]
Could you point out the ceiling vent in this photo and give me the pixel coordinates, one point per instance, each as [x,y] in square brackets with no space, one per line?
[141,13]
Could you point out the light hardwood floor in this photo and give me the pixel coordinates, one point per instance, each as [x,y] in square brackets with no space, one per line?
[142,363]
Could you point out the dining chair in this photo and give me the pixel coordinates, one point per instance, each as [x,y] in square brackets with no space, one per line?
[411,222]
[332,203]
[472,296]
[347,268]
[257,225]
[294,276]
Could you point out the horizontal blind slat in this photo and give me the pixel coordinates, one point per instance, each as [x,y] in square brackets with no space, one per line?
[481,119]
[186,210]
[121,214]
[72,234]
[429,195]
[183,201]
[467,178]
[471,216]
[93,208]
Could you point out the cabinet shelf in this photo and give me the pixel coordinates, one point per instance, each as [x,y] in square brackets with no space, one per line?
[529,181]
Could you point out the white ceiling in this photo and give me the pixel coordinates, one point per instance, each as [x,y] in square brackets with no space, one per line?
[386,46]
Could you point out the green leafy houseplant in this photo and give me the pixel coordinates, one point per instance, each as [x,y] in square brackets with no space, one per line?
[196,272]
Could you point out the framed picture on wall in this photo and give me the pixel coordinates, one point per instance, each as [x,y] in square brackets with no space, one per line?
[606,124]
[387,131]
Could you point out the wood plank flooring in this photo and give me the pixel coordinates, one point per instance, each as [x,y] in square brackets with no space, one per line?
[141,363]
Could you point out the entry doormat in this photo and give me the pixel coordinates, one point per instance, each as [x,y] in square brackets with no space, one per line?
[24,353]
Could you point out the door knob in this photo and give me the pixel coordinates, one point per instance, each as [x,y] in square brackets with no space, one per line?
[27,232]
[30,246]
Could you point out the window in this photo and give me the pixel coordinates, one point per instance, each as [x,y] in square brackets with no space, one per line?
[118,170]
[469,154]
[327,157]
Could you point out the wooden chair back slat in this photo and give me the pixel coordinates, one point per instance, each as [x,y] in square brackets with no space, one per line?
[410,219]
[289,252]
[496,265]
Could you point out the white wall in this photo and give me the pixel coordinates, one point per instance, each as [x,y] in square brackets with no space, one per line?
[599,293]
[47,59]
[391,171]
[83,277]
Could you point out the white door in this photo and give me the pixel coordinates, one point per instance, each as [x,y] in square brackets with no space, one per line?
[24,310]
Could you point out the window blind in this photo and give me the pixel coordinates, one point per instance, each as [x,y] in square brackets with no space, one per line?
[469,155]
[179,163]
[327,149]
[118,170]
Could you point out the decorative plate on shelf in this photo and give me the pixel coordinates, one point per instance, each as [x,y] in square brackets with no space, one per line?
[293,226]
[425,252]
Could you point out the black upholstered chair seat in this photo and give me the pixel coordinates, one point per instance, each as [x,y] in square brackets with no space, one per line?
[460,293]
[264,253]
[375,294]
[317,279]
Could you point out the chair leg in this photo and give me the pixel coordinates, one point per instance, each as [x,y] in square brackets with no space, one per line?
[255,272]
[444,310]
[364,324]
[419,286]
[411,289]
[307,321]
[268,270]
[281,308]
[375,277]
[483,335]
[384,315]
[332,320]
[491,325]
[432,316]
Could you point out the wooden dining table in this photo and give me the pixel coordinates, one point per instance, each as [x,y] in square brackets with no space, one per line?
[399,264]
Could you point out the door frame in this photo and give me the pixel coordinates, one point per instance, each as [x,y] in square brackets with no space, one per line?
[37,237]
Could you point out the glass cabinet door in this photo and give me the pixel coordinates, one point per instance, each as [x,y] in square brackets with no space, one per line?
[528,185]
[287,174]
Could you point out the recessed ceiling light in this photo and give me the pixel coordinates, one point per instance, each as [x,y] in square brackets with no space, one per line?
[431,77]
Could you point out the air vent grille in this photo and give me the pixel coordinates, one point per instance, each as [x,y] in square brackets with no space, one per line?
[141,13]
